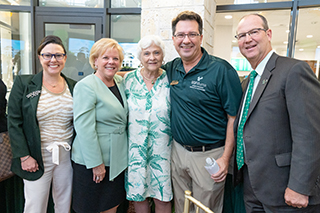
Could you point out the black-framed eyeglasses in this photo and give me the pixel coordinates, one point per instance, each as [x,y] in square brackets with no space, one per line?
[183,35]
[48,56]
[252,33]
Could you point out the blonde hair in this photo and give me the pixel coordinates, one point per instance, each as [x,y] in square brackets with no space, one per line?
[101,46]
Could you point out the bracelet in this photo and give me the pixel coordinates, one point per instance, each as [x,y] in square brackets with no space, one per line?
[26,158]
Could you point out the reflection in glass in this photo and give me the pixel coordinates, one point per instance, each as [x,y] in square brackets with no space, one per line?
[130,58]
[72,3]
[15,46]
[307,46]
[225,2]
[125,3]
[16,2]
[127,38]
[78,40]
[225,42]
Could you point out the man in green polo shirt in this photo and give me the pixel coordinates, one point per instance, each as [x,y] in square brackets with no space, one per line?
[205,96]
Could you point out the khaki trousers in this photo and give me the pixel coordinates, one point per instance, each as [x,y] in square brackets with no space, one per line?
[188,173]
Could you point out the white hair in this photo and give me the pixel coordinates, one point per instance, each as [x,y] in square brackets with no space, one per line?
[147,41]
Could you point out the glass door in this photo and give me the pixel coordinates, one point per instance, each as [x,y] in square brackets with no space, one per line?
[15,46]
[78,35]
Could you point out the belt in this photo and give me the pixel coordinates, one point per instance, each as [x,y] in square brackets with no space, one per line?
[205,147]
[54,148]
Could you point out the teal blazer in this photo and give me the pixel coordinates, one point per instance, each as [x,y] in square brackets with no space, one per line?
[23,125]
[100,122]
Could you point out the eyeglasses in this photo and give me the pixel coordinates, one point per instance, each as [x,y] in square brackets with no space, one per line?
[252,33]
[48,56]
[183,35]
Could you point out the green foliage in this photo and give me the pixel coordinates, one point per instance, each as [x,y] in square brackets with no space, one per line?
[127,68]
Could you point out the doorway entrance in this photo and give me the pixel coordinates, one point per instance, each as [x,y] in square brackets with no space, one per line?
[78,34]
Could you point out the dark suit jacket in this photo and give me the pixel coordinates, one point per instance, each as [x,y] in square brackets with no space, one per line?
[23,124]
[282,132]
[3,106]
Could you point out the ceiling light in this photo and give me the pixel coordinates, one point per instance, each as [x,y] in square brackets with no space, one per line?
[287,31]
[285,42]
[234,41]
[318,47]
[12,2]
[228,17]
[309,36]
[301,49]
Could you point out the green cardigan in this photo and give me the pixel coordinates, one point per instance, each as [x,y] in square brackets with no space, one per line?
[23,125]
[101,125]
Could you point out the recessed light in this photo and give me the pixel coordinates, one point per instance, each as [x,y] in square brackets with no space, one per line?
[228,17]
[309,36]
[234,41]
[287,31]
[318,47]
[285,42]
[301,49]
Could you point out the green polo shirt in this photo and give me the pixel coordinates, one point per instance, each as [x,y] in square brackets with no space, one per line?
[202,99]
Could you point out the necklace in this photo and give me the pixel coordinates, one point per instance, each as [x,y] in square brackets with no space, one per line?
[152,79]
[51,84]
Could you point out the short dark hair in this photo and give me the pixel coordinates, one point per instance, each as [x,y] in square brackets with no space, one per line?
[187,15]
[50,39]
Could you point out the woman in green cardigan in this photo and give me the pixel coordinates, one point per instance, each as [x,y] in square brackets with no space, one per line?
[100,148]
[41,130]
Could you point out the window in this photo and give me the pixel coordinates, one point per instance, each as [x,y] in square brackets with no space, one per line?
[72,3]
[125,3]
[16,2]
[226,46]
[224,2]
[307,44]
[126,30]
[15,40]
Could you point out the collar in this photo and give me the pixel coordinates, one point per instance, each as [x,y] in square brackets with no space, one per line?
[263,63]
[37,78]
[199,66]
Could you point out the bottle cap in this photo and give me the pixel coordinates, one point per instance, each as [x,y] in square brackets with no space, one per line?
[209,161]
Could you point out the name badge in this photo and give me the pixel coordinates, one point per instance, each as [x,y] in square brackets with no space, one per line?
[174,82]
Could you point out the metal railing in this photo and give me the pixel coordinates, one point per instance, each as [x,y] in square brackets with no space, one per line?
[198,205]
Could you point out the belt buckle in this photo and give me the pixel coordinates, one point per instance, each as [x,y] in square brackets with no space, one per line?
[187,147]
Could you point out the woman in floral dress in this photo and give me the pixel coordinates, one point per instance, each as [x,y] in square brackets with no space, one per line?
[147,91]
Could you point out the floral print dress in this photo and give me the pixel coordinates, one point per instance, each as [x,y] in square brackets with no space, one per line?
[150,139]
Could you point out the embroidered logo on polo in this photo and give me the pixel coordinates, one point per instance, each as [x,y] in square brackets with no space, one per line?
[198,85]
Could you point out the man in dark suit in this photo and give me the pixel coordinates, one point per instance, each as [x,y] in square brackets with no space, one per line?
[278,135]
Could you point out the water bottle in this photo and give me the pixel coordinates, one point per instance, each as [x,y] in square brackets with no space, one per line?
[211,166]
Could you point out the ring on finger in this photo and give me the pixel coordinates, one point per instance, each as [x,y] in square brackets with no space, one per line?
[97,178]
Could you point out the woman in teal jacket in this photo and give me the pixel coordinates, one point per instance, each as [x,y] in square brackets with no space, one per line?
[41,130]
[100,148]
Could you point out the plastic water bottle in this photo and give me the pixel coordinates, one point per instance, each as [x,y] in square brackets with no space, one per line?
[211,166]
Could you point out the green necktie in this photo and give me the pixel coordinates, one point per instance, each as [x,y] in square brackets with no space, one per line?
[245,110]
